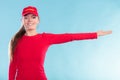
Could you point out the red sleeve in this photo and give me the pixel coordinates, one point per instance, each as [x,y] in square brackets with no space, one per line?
[12,69]
[67,37]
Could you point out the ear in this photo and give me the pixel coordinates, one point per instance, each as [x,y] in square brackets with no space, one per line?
[38,20]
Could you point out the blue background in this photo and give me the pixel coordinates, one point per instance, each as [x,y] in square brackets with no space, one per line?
[97,59]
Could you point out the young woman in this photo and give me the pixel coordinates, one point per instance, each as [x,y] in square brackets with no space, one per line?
[28,47]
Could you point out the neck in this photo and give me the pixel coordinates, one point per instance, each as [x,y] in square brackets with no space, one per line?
[31,33]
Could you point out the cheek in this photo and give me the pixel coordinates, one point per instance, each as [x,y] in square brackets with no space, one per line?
[24,22]
[36,22]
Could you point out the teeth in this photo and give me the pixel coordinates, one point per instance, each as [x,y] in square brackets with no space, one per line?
[29,24]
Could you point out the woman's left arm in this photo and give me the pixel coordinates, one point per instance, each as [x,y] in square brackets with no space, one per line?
[67,37]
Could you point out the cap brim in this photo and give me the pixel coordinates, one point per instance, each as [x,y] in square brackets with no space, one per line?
[30,13]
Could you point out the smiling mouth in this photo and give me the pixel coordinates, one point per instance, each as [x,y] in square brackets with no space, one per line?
[29,24]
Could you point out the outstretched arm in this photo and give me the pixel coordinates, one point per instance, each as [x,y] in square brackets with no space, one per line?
[67,37]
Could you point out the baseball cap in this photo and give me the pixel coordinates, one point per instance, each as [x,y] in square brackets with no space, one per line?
[30,9]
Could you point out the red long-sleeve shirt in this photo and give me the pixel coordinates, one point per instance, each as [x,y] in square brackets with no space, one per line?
[29,54]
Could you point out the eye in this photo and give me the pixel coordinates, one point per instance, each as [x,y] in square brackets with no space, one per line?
[25,17]
[33,17]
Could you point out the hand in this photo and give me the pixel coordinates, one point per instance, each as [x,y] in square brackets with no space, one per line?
[103,33]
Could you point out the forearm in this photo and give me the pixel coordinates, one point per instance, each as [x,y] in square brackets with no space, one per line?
[84,36]
[12,71]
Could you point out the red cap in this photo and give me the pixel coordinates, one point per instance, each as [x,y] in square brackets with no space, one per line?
[30,9]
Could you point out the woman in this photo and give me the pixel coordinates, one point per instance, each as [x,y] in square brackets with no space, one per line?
[28,47]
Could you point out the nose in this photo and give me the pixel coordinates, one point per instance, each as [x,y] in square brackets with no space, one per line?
[29,19]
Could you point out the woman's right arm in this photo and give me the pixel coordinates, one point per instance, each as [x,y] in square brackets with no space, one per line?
[12,69]
[12,65]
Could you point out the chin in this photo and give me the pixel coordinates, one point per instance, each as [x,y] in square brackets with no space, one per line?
[31,29]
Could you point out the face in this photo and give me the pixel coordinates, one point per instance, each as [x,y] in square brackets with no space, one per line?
[30,21]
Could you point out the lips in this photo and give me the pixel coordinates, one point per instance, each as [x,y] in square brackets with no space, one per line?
[29,24]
